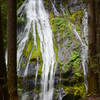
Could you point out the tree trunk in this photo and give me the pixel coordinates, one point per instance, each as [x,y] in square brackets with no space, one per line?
[3,74]
[11,29]
[92,75]
[98,40]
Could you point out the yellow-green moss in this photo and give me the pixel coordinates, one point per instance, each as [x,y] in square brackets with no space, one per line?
[40,69]
[70,27]
[37,91]
[76,90]
[56,51]
[23,65]
[28,48]
[76,17]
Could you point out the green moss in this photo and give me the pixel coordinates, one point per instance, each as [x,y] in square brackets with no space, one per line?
[85,1]
[23,65]
[77,45]
[78,89]
[28,46]
[60,24]
[60,64]
[34,53]
[19,82]
[70,27]
[55,50]
[19,90]
[77,27]
[73,65]
[37,91]
[69,43]
[76,17]
[74,59]
[60,85]
[19,3]
[20,20]
[51,17]
[65,79]
[40,69]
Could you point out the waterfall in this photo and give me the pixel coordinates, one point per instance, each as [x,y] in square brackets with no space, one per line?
[54,8]
[36,15]
[84,44]
[85,48]
[61,7]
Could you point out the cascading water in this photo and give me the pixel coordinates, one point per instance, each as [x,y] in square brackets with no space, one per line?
[61,7]
[54,8]
[85,47]
[36,15]
[84,44]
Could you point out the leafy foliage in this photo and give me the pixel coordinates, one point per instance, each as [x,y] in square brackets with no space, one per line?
[78,89]
[74,62]
[19,3]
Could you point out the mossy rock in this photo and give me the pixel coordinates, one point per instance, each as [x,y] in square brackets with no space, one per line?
[76,90]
